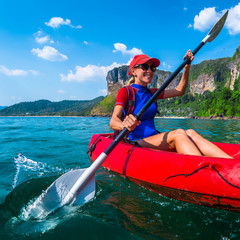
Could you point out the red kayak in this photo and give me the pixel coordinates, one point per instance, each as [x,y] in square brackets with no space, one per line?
[213,182]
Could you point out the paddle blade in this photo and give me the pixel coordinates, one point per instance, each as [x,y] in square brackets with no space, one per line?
[217,27]
[52,199]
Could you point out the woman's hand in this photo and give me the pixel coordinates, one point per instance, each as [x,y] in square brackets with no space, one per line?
[190,56]
[130,122]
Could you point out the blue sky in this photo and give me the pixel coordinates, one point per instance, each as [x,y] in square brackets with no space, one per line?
[62,50]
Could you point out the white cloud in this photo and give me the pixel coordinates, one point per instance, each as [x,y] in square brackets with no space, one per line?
[185,9]
[12,72]
[56,22]
[206,19]
[90,72]
[85,42]
[16,72]
[49,53]
[233,20]
[166,66]
[41,38]
[123,49]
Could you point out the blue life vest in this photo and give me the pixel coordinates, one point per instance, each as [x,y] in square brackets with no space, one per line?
[147,126]
[134,104]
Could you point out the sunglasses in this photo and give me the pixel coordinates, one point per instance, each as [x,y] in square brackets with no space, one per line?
[145,67]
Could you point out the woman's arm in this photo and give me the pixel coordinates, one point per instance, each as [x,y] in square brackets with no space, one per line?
[182,86]
[115,122]
[130,122]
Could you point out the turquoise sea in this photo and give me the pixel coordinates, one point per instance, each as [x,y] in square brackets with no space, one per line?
[51,146]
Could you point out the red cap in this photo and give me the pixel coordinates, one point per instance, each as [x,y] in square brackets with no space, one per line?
[142,58]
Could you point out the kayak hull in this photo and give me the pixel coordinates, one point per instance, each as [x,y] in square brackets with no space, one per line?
[213,182]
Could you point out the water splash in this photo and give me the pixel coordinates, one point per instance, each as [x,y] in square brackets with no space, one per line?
[27,168]
[29,171]
[19,227]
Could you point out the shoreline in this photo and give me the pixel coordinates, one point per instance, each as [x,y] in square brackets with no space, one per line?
[206,118]
[163,117]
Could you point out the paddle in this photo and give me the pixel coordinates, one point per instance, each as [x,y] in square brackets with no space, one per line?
[77,187]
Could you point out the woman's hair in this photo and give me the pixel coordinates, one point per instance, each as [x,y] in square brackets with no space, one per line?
[131,81]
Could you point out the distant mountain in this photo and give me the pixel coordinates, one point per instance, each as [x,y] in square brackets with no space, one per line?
[2,107]
[48,108]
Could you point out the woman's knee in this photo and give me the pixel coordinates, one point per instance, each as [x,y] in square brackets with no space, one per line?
[178,134]
[191,133]
[175,137]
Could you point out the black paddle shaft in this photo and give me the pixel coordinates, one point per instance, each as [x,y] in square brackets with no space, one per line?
[166,83]
[124,132]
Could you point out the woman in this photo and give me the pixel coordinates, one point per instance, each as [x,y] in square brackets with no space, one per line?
[142,69]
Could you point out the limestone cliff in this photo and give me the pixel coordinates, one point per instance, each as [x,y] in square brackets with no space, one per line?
[208,75]
[118,77]
[202,84]
[235,69]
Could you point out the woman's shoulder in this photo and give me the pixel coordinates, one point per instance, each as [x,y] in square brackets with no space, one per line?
[122,97]
[126,89]
[122,90]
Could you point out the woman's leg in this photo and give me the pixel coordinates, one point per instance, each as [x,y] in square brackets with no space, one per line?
[185,142]
[207,148]
[177,140]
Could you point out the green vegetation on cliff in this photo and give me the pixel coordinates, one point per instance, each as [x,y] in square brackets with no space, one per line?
[236,54]
[221,103]
[224,102]
[105,107]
